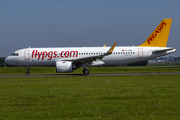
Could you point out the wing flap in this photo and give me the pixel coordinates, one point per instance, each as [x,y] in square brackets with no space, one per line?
[92,58]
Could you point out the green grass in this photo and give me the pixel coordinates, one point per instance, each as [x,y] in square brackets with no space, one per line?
[52,70]
[91,97]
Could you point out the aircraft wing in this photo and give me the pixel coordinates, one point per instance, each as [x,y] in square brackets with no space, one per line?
[92,58]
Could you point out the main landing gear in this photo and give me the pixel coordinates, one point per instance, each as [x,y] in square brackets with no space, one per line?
[86,71]
[28,73]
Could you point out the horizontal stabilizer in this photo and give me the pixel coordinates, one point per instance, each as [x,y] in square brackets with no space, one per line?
[164,50]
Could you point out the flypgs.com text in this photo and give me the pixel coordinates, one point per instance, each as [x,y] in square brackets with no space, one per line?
[41,55]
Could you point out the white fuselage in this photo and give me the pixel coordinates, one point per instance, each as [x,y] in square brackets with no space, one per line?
[38,57]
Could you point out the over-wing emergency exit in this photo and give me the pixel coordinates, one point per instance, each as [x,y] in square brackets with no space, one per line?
[67,59]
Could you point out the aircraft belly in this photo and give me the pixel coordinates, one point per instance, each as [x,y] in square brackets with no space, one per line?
[42,63]
[35,63]
[119,60]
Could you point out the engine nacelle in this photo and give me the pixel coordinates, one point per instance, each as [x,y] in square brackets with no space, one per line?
[64,66]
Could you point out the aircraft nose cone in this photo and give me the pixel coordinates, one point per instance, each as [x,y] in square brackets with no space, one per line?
[6,60]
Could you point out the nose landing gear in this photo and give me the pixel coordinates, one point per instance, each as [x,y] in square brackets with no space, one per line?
[28,69]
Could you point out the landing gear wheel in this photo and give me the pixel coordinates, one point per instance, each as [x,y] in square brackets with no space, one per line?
[86,71]
[27,73]
[28,69]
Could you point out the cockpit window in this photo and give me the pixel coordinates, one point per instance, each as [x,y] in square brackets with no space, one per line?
[14,54]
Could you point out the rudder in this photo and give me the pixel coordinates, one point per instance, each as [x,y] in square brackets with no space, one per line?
[159,36]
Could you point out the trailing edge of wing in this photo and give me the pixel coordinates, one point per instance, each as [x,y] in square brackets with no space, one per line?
[93,58]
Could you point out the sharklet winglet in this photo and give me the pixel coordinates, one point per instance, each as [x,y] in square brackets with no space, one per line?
[111,49]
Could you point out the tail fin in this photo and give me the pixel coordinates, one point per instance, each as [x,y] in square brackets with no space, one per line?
[159,36]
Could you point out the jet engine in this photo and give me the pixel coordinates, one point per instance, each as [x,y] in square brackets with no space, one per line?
[64,66]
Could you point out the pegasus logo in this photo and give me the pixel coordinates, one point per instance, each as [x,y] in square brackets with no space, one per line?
[157,31]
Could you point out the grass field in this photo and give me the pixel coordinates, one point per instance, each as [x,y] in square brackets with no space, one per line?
[52,70]
[91,97]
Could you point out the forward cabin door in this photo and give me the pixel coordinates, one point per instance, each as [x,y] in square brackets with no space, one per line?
[140,52]
[27,55]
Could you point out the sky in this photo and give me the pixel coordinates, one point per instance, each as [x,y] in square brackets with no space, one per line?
[76,23]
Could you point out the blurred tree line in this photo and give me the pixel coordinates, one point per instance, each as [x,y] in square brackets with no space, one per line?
[2,64]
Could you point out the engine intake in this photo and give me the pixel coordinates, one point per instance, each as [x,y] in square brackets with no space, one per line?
[64,66]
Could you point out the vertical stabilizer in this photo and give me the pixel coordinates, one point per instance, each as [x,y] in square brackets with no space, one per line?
[159,36]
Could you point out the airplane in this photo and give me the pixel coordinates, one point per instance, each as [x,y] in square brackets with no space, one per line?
[67,59]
